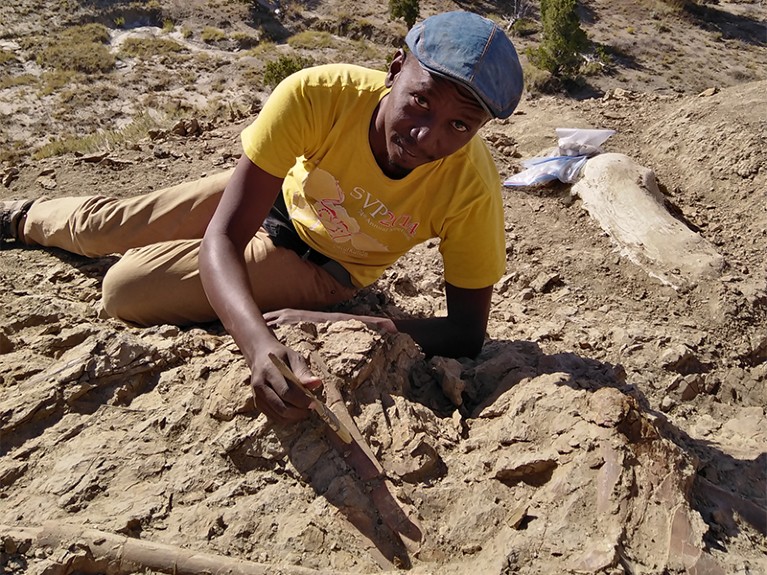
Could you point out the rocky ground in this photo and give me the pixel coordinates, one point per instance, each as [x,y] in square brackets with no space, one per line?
[612,423]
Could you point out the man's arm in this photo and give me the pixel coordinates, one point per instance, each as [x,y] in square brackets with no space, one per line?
[244,205]
[460,334]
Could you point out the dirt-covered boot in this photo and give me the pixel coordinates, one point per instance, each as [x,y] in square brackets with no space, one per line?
[11,214]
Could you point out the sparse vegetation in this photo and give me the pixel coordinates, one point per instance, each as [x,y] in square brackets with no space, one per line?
[218,83]
[102,140]
[245,40]
[206,62]
[363,50]
[263,49]
[80,48]
[250,76]
[291,9]
[54,80]
[187,77]
[311,40]
[524,27]
[12,152]
[211,35]
[592,67]
[146,48]
[408,10]
[6,56]
[11,81]
[350,27]
[538,81]
[74,59]
[277,70]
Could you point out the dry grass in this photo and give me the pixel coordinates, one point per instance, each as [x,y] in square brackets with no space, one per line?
[211,35]
[6,57]
[54,80]
[147,48]
[538,81]
[79,48]
[312,40]
[103,140]
[264,48]
[13,81]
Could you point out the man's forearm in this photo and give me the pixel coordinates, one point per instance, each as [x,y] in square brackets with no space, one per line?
[441,336]
[436,335]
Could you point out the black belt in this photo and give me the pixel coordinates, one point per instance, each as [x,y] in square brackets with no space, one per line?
[282,233]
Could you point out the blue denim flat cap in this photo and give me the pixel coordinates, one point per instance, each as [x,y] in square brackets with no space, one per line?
[473,51]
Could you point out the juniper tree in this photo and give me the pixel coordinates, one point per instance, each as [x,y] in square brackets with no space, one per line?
[563,39]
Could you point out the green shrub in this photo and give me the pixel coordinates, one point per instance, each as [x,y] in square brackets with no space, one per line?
[592,68]
[408,10]
[563,40]
[277,70]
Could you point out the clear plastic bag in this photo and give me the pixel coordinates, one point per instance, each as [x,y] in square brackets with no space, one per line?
[542,170]
[575,146]
[581,142]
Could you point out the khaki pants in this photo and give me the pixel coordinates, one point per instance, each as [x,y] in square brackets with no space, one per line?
[157,279]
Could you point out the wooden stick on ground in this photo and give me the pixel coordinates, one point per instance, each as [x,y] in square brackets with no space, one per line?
[94,551]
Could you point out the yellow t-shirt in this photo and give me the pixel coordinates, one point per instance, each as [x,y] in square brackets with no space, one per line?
[313,132]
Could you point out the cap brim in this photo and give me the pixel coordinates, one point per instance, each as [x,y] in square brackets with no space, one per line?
[461,83]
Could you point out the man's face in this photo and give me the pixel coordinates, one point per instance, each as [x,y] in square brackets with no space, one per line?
[424,118]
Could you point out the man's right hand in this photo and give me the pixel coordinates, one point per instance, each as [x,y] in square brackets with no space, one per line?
[279,399]
[246,201]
